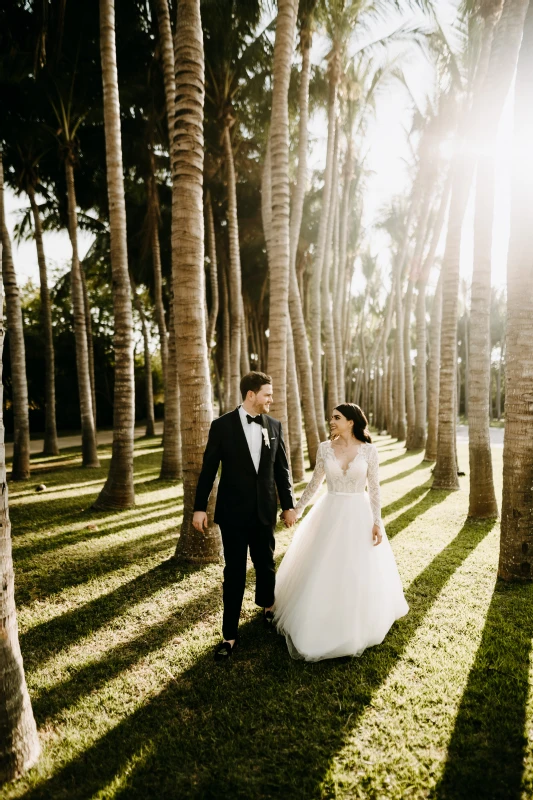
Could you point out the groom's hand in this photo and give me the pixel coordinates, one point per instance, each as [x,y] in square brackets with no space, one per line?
[289,517]
[199,521]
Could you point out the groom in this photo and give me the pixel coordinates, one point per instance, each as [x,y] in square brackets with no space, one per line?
[249,445]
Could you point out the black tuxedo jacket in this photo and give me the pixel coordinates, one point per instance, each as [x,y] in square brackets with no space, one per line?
[242,492]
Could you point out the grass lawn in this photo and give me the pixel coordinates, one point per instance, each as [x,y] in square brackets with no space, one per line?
[117,646]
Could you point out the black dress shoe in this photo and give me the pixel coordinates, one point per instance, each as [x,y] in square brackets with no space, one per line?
[224,650]
[268,619]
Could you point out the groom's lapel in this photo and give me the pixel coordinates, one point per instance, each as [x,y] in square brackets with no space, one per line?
[241,445]
[265,451]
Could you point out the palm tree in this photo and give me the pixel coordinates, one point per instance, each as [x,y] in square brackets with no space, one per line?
[504,54]
[149,388]
[516,551]
[118,491]
[21,439]
[27,180]
[280,255]
[445,472]
[87,412]
[188,274]
[19,743]
[299,334]
[213,273]
[421,393]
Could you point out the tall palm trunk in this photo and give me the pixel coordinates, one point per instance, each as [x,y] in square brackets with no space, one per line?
[188,276]
[399,429]
[342,290]
[172,460]
[330,353]
[301,344]
[445,472]
[504,54]
[294,412]
[172,463]
[153,211]
[434,374]
[21,435]
[118,491]
[213,274]
[279,266]
[90,344]
[315,317]
[421,391]
[88,430]
[516,543]
[235,278]
[226,342]
[19,742]
[51,447]
[149,389]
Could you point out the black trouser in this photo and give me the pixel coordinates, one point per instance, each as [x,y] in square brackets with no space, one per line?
[236,539]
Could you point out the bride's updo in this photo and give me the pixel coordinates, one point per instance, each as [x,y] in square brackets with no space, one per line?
[360,423]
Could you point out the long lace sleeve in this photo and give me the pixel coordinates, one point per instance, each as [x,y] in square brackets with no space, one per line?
[314,484]
[374,494]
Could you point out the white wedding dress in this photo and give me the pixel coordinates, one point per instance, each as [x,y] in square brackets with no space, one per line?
[337,593]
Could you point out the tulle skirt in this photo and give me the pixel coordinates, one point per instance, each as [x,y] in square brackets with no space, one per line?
[337,594]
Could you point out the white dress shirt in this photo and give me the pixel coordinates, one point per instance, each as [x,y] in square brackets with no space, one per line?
[254,437]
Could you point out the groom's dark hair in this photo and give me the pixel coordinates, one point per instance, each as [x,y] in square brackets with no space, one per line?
[253,381]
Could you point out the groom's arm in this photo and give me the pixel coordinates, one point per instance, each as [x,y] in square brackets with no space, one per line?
[282,475]
[212,457]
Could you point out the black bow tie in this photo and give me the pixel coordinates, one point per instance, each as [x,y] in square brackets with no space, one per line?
[254,419]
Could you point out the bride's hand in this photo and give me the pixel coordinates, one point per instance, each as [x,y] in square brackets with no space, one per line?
[376,535]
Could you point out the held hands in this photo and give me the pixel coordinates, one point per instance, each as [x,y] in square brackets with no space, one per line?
[376,535]
[199,521]
[289,517]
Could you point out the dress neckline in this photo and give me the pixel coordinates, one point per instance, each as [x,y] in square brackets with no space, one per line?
[345,471]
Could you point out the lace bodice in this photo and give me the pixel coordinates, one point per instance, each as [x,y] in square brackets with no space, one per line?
[362,470]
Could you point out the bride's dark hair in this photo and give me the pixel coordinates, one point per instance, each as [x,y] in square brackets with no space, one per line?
[360,423]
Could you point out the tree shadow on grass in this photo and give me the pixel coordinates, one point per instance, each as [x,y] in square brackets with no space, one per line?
[263,726]
[401,457]
[33,583]
[487,748]
[431,498]
[48,638]
[402,475]
[153,512]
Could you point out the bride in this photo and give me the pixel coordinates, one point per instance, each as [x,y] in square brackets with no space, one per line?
[338,590]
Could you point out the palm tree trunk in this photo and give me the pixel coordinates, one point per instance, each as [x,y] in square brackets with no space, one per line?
[118,491]
[301,344]
[294,412]
[188,277]
[330,352]
[213,275]
[172,461]
[434,374]
[408,367]
[445,472]
[90,344]
[51,447]
[235,280]
[516,543]
[20,470]
[399,430]
[149,390]
[153,210]
[504,54]
[167,58]
[342,290]
[19,742]
[226,342]
[88,430]
[421,405]
[315,317]
[279,266]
